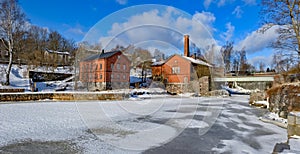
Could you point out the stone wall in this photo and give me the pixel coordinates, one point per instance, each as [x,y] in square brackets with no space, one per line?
[199,87]
[100,86]
[284,98]
[293,124]
[11,90]
[204,85]
[257,96]
[62,96]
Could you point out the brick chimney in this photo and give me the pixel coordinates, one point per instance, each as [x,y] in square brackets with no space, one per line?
[186,45]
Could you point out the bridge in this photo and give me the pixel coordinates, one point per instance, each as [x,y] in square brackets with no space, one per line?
[248,82]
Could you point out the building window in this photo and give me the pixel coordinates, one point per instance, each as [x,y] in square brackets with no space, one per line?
[124,77]
[118,76]
[100,76]
[96,67]
[100,66]
[124,67]
[118,66]
[112,66]
[112,76]
[175,70]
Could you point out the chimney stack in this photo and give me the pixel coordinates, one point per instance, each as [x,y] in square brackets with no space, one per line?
[186,45]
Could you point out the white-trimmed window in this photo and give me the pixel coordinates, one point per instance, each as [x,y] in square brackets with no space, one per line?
[175,70]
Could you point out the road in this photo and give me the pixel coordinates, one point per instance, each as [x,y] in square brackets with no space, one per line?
[157,125]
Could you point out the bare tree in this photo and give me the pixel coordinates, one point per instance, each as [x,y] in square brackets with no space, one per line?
[12,20]
[285,15]
[142,59]
[226,52]
[283,62]
[261,66]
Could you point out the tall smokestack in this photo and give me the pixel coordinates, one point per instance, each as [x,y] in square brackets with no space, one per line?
[186,45]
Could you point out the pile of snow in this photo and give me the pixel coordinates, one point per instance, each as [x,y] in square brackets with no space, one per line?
[187,94]
[147,93]
[261,103]
[275,119]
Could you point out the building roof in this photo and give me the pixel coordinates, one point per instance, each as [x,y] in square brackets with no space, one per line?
[197,61]
[159,63]
[192,60]
[101,55]
[58,52]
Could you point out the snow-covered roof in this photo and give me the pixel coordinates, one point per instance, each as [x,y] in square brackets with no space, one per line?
[158,63]
[197,61]
[192,60]
[58,52]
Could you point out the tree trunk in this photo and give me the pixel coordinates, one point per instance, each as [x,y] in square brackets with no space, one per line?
[9,68]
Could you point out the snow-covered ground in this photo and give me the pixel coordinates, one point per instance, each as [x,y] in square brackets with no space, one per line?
[19,77]
[157,125]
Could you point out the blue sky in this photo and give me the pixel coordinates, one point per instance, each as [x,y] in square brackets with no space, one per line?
[226,20]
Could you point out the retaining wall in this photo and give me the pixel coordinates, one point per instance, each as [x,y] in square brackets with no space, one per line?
[8,97]
[284,99]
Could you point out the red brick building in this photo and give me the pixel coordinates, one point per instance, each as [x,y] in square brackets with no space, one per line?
[109,70]
[178,72]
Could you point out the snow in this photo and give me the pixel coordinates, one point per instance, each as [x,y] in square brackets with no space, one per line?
[19,77]
[275,119]
[120,125]
[262,103]
[134,126]
[58,52]
[197,61]
[297,114]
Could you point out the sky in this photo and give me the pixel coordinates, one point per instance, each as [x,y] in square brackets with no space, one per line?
[120,21]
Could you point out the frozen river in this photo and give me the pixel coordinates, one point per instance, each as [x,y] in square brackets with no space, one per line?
[158,125]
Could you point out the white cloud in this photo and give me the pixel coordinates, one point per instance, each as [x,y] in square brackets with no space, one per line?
[161,26]
[225,2]
[257,41]
[121,2]
[77,31]
[238,12]
[255,61]
[207,3]
[249,2]
[227,36]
